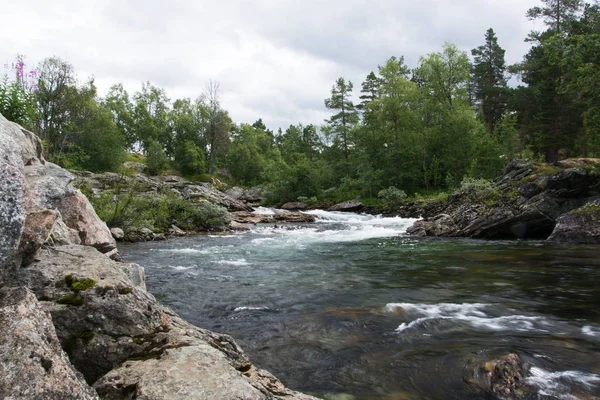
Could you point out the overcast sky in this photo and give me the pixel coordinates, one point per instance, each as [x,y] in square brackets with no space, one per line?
[274,59]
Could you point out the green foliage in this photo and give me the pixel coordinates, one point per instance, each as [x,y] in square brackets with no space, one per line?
[392,195]
[124,207]
[156,159]
[477,188]
[17,96]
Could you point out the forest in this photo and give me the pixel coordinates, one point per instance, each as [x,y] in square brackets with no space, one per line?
[419,129]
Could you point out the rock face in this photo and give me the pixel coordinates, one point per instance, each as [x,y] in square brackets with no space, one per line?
[527,202]
[33,365]
[53,247]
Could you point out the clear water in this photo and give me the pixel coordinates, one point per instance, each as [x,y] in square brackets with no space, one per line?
[351,308]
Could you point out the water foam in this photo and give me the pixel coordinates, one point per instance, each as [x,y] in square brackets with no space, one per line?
[238,309]
[240,262]
[185,251]
[473,314]
[590,331]
[334,227]
[556,384]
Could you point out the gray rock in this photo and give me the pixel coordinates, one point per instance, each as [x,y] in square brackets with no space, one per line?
[579,226]
[117,233]
[12,219]
[440,225]
[175,231]
[206,191]
[37,230]
[33,366]
[242,217]
[236,226]
[348,206]
[295,206]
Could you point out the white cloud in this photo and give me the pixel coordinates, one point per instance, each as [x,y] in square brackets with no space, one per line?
[274,59]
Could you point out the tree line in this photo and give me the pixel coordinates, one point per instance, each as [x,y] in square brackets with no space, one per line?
[417,129]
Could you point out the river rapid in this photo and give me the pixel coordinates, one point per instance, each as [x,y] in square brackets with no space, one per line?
[350,308]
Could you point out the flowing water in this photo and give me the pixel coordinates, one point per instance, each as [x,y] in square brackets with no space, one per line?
[351,308]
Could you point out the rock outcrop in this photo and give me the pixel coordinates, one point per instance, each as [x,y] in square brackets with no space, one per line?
[59,290]
[526,202]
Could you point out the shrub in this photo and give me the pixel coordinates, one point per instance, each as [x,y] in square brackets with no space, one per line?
[392,195]
[477,188]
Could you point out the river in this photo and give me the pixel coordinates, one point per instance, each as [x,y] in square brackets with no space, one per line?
[351,308]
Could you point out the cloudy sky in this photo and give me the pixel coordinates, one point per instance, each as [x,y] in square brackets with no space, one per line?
[274,59]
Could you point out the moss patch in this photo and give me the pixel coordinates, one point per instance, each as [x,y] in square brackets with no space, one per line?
[589,209]
[83,284]
[79,285]
[71,300]
[125,290]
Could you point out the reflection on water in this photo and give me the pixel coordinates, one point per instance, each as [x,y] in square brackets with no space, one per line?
[349,308]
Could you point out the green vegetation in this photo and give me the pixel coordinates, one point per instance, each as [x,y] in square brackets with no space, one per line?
[426,128]
[71,300]
[125,207]
[589,209]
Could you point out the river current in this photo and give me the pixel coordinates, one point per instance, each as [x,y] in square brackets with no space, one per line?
[350,308]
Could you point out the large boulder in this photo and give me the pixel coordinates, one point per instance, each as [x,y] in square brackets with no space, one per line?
[33,365]
[579,226]
[50,188]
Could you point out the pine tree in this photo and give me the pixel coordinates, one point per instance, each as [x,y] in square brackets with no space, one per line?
[489,80]
[347,117]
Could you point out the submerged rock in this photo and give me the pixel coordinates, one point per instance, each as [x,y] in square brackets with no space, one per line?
[33,364]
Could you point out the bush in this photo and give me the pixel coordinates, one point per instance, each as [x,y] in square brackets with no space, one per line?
[477,188]
[392,195]
[125,208]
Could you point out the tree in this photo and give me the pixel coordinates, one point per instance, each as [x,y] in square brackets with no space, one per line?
[151,117]
[555,14]
[489,80]
[343,121]
[122,110]
[54,95]
[216,120]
